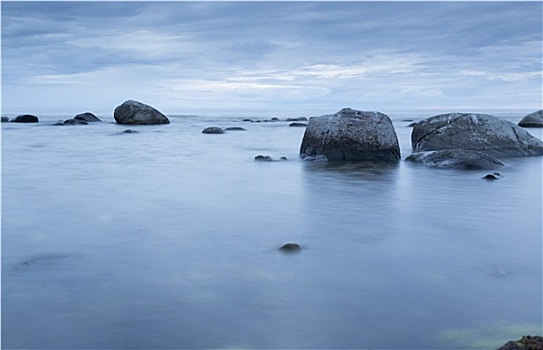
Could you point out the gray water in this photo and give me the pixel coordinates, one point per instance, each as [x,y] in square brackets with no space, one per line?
[167,239]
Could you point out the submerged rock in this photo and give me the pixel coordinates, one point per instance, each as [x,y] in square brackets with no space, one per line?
[290,248]
[74,122]
[87,117]
[5,119]
[25,118]
[299,119]
[129,131]
[213,130]
[533,120]
[137,113]
[493,176]
[297,124]
[261,158]
[456,159]
[235,128]
[351,135]
[477,132]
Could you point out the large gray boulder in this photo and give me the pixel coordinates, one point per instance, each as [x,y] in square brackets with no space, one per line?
[351,135]
[532,120]
[478,132]
[137,113]
[456,159]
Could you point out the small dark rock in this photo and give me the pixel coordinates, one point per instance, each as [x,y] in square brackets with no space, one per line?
[283,158]
[25,118]
[248,120]
[297,124]
[87,117]
[291,248]
[213,130]
[299,119]
[5,119]
[527,342]
[493,176]
[129,131]
[74,122]
[275,119]
[261,158]
[235,128]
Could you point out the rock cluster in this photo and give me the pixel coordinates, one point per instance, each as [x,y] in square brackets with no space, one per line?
[469,141]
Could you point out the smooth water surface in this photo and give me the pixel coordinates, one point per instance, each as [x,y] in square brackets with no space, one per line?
[167,239]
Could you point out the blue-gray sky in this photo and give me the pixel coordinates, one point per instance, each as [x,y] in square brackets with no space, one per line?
[272,57]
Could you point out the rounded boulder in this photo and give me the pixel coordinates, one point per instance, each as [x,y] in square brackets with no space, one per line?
[137,113]
[477,132]
[351,135]
[532,120]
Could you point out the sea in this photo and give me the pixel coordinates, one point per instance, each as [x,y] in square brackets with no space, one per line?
[168,238]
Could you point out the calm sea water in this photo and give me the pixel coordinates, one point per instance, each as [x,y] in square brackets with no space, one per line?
[167,239]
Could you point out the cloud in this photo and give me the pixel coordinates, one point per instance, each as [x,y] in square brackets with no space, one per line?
[272,54]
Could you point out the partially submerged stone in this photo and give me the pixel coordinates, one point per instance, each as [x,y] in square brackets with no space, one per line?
[87,117]
[291,248]
[213,130]
[351,135]
[532,120]
[477,132]
[456,159]
[137,113]
[25,118]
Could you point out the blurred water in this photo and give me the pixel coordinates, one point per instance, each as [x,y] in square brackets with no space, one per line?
[167,239]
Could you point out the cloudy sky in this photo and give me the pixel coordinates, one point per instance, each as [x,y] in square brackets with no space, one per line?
[273,57]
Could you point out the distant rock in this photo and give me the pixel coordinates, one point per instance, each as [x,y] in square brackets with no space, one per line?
[128,131]
[261,158]
[297,124]
[477,132]
[527,342]
[137,113]
[5,120]
[274,119]
[25,118]
[235,128]
[532,120]
[456,159]
[290,248]
[74,122]
[248,120]
[351,135]
[299,119]
[213,130]
[87,117]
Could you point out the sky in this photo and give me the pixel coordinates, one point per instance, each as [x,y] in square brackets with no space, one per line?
[280,58]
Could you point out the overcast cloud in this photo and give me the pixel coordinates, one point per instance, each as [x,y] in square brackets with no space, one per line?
[279,57]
